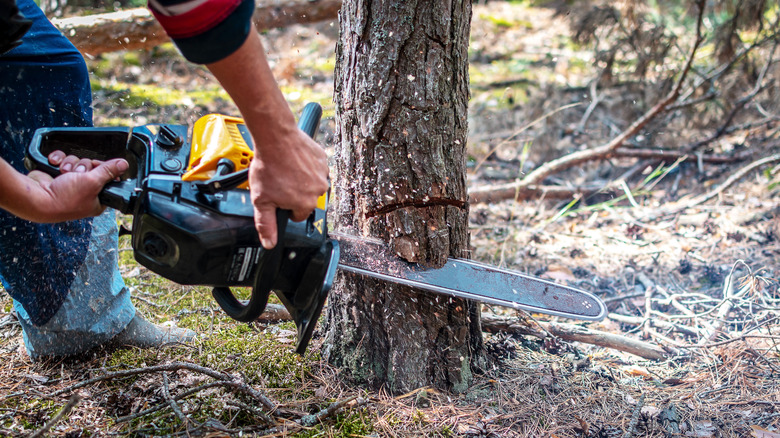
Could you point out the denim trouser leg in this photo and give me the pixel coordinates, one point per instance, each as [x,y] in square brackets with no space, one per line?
[63,277]
[97,306]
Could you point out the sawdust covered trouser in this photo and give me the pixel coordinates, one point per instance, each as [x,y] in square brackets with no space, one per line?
[63,277]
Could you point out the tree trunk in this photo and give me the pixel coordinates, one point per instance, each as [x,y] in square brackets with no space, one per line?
[401,104]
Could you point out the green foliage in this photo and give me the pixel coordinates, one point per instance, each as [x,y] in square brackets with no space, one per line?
[260,357]
[501,22]
[643,189]
[298,97]
[773,177]
[641,39]
[37,409]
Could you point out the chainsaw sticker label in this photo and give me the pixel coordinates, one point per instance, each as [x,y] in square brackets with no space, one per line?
[243,262]
[318,225]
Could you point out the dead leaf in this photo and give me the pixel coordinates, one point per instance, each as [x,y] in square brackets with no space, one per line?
[632,370]
[650,411]
[37,378]
[286,336]
[321,392]
[703,429]
[559,274]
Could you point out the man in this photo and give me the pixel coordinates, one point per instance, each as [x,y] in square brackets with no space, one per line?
[63,276]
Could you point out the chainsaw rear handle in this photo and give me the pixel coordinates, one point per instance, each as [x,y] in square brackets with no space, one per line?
[270,260]
[93,143]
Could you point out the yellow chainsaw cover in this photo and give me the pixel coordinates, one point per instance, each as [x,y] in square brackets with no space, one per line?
[216,136]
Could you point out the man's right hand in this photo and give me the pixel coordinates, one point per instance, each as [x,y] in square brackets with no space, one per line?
[292,176]
[289,169]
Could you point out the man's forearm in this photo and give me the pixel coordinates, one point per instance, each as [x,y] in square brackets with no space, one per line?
[248,79]
[38,197]
[17,193]
[289,169]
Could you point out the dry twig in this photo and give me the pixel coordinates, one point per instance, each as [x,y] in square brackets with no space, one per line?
[635,417]
[72,402]
[685,204]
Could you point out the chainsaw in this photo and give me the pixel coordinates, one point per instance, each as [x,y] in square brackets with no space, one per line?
[193,223]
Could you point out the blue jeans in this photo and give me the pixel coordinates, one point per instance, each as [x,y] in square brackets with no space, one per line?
[64,277]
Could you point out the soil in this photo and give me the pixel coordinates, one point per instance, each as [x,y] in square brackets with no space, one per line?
[699,283]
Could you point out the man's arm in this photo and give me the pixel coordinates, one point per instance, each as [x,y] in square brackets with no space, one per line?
[289,170]
[40,198]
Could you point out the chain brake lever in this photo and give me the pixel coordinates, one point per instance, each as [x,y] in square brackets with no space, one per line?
[221,183]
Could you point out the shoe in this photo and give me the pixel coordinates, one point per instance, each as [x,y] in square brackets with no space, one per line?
[143,334]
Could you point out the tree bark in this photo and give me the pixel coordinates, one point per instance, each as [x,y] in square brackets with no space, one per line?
[401,104]
[136,29]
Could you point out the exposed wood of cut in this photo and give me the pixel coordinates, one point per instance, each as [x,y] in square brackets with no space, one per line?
[137,29]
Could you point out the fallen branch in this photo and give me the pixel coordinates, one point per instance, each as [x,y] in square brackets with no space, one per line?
[670,156]
[312,420]
[160,406]
[655,322]
[730,297]
[137,29]
[9,432]
[225,380]
[576,158]
[570,332]
[513,190]
[172,403]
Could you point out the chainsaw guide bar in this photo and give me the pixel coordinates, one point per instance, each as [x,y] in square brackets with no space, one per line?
[467,279]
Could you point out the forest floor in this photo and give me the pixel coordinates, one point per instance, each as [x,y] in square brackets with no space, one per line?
[696,283]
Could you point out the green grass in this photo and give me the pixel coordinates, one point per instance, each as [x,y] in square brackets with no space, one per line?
[138,95]
[503,23]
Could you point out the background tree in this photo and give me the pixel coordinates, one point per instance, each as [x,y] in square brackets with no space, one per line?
[401,96]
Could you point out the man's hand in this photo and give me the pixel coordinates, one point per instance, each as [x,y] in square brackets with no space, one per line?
[73,195]
[291,176]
